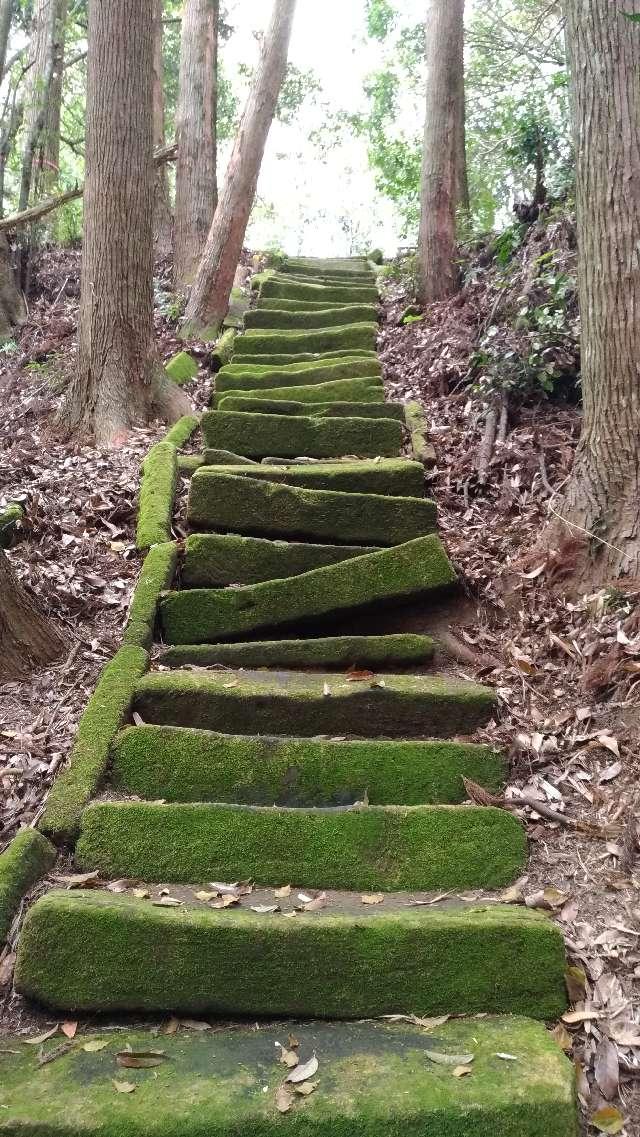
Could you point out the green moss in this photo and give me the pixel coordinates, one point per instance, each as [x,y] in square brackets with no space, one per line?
[340,652]
[376,256]
[182,430]
[182,368]
[368,389]
[28,857]
[216,457]
[157,576]
[187,463]
[323,318]
[212,560]
[288,289]
[249,377]
[319,410]
[155,510]
[418,427]
[311,703]
[387,476]
[103,717]
[184,765]
[279,359]
[259,340]
[259,435]
[10,517]
[281,304]
[267,509]
[223,351]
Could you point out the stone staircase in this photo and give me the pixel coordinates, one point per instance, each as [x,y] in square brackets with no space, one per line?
[270,744]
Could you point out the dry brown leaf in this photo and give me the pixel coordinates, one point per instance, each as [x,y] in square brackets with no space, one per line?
[562,1037]
[608,1119]
[281,893]
[607,1068]
[306,1088]
[40,1038]
[373,898]
[462,1071]
[124,1087]
[288,1058]
[304,1071]
[69,1029]
[95,1044]
[77,880]
[284,1098]
[140,1059]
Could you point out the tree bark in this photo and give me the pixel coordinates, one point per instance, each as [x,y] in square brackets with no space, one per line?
[162,219]
[38,84]
[438,274]
[464,200]
[209,299]
[196,185]
[27,638]
[603,494]
[6,16]
[49,156]
[118,382]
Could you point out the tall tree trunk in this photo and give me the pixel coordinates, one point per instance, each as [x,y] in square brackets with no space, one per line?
[39,76]
[6,16]
[209,299]
[603,494]
[27,638]
[196,185]
[464,201]
[118,381]
[438,274]
[49,156]
[162,219]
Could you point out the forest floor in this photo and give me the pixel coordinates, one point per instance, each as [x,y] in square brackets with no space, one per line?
[566,665]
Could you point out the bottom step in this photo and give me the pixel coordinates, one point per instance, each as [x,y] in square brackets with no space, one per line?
[372,1079]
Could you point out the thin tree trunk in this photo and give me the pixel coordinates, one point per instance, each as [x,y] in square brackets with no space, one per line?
[464,201]
[209,299]
[27,638]
[162,219]
[438,274]
[196,185]
[118,379]
[6,15]
[603,495]
[49,165]
[39,76]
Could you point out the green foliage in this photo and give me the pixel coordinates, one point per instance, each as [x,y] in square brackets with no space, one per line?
[381,18]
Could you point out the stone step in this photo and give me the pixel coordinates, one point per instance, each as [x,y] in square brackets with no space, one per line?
[368,389]
[238,376]
[281,304]
[202,615]
[213,560]
[258,435]
[286,288]
[180,764]
[283,359]
[329,279]
[87,951]
[327,652]
[227,1081]
[375,847]
[309,704]
[258,341]
[225,502]
[388,476]
[318,410]
[279,318]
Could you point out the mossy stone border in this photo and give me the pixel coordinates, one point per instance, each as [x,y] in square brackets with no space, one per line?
[27,858]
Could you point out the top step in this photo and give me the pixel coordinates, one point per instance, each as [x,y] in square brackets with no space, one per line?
[288,288]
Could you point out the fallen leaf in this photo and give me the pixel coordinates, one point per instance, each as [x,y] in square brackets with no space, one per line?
[205,897]
[140,1059]
[288,1058]
[7,965]
[77,880]
[576,982]
[284,1098]
[608,1119]
[507,1057]
[124,1087]
[69,1029]
[118,886]
[462,1071]
[317,903]
[609,743]
[95,1044]
[40,1038]
[265,909]
[225,902]
[281,893]
[572,1017]
[167,902]
[562,1037]
[441,1058]
[606,1068]
[359,676]
[611,772]
[373,898]
[306,1088]
[194,1024]
[326,690]
[303,1072]
[141,893]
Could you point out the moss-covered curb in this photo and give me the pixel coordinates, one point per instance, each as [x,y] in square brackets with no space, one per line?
[10,517]
[182,430]
[272,318]
[377,847]
[310,704]
[223,351]
[254,377]
[376,1080]
[328,294]
[259,435]
[418,428]
[285,359]
[390,575]
[366,390]
[282,304]
[103,717]
[181,368]
[28,857]
[179,764]
[159,479]
[156,576]
[257,341]
[213,560]
[385,476]
[340,652]
[324,410]
[187,463]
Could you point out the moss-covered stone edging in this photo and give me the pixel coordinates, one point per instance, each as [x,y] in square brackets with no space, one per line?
[180,764]
[390,575]
[324,410]
[25,860]
[373,1077]
[310,704]
[104,715]
[418,428]
[373,847]
[156,577]
[227,503]
[276,320]
[365,390]
[258,435]
[182,430]
[181,368]
[340,652]
[10,517]
[257,341]
[213,560]
[396,477]
[159,480]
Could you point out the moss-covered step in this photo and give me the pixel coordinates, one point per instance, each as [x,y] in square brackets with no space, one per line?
[180,764]
[374,1077]
[28,857]
[258,435]
[388,476]
[363,390]
[213,560]
[281,304]
[255,376]
[286,288]
[318,410]
[257,341]
[284,359]
[310,703]
[374,847]
[274,318]
[386,576]
[329,652]
[181,368]
[225,502]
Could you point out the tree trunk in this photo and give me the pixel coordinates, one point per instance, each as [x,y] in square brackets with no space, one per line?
[162,219]
[118,381]
[39,76]
[196,186]
[27,638]
[438,274]
[603,494]
[464,201]
[6,15]
[209,299]
[49,163]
